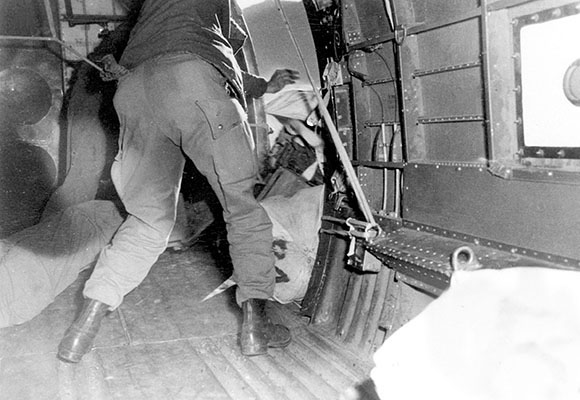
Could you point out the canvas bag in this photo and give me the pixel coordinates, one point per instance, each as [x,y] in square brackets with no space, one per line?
[296,221]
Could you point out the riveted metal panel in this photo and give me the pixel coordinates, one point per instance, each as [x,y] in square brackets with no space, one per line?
[376,103]
[436,10]
[444,93]
[373,181]
[532,215]
[364,20]
[463,142]
[450,45]
[342,105]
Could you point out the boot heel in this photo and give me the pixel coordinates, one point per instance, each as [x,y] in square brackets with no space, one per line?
[78,339]
[258,332]
[68,356]
[253,343]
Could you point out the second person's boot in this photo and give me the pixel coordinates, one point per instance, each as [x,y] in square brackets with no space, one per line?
[258,332]
[78,339]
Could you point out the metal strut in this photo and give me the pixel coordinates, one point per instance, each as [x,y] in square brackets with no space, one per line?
[56,40]
[343,156]
[53,38]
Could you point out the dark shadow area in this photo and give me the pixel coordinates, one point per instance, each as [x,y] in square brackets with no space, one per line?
[92,126]
[27,173]
[195,188]
[368,390]
[30,79]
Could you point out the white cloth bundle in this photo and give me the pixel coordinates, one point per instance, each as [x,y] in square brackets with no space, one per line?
[493,335]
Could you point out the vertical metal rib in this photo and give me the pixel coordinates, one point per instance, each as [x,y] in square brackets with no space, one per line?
[372,325]
[354,336]
[349,305]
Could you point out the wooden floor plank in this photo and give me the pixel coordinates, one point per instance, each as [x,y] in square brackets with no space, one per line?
[251,373]
[304,372]
[317,361]
[169,370]
[282,376]
[346,364]
[167,305]
[163,343]
[227,373]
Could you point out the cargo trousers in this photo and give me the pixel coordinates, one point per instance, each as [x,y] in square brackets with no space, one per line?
[169,108]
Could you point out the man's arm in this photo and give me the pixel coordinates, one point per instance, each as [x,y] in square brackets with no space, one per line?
[256,86]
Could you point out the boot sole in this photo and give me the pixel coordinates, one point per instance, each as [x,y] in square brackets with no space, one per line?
[280,344]
[258,351]
[255,351]
[69,357]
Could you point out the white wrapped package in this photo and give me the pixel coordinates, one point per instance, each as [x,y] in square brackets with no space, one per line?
[493,335]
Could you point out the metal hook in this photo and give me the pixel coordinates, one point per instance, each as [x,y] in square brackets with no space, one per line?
[464,259]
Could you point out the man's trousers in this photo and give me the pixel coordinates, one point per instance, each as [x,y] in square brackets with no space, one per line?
[172,107]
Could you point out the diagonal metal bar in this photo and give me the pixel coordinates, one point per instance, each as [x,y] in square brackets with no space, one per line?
[343,156]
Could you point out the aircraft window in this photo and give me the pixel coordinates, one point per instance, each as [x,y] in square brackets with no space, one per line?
[548,79]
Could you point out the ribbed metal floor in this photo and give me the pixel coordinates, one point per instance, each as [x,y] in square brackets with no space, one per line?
[163,343]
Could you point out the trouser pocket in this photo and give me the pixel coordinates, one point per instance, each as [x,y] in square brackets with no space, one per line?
[232,143]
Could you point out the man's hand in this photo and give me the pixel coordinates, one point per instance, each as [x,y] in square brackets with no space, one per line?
[281,78]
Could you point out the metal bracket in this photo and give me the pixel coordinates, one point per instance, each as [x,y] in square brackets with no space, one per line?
[363,230]
[400,34]
[500,170]
[86,19]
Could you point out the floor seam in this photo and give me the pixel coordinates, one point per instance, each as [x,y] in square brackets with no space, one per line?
[135,344]
[124,326]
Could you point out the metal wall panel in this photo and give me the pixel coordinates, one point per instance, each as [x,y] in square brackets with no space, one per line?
[463,142]
[373,181]
[532,215]
[436,10]
[449,45]
[444,95]
[364,20]
[342,105]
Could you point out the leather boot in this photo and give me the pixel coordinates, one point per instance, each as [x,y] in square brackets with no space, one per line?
[258,332]
[78,339]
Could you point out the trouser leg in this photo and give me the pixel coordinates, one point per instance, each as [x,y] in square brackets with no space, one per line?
[147,175]
[228,161]
[249,233]
[220,144]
